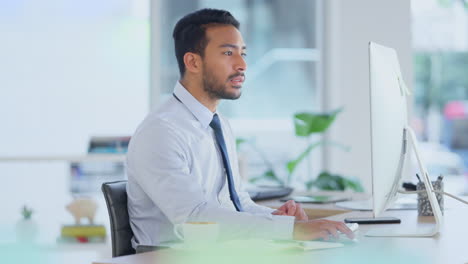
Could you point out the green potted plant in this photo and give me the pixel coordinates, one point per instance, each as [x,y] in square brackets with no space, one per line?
[307,124]
[26,228]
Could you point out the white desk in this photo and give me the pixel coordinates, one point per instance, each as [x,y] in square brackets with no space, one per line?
[450,246]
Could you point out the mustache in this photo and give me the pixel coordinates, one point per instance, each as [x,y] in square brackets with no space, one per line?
[236,75]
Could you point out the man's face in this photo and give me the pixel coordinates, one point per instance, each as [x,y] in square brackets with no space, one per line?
[223,62]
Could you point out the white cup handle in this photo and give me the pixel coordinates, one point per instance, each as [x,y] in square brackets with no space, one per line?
[177,232]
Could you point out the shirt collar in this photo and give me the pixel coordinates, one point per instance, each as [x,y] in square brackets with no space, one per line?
[201,113]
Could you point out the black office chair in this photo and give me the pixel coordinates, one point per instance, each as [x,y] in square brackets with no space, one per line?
[115,194]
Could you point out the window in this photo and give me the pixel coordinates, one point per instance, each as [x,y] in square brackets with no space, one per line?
[283,76]
[440,42]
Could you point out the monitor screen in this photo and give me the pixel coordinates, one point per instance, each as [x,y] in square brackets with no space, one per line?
[388,117]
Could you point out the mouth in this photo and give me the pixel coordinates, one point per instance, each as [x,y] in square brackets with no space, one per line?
[237,80]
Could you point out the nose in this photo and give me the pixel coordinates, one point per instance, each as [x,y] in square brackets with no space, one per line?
[241,64]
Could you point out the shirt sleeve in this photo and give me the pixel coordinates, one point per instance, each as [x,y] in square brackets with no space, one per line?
[251,206]
[160,162]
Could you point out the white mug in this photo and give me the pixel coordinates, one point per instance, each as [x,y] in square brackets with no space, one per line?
[194,233]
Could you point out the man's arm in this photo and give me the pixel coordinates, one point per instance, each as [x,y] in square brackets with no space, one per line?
[289,208]
[160,162]
[249,205]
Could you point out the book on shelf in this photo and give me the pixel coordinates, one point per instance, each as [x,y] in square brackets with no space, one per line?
[88,176]
[83,230]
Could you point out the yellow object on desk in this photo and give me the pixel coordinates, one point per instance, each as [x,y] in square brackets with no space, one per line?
[83,231]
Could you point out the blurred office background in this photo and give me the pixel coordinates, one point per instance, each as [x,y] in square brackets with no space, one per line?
[71,71]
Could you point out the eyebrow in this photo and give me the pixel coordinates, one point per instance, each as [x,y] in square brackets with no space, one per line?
[231,46]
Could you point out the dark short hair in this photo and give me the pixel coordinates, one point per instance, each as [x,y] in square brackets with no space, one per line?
[189,32]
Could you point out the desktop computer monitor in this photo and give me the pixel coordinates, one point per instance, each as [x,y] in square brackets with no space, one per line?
[391,138]
[388,122]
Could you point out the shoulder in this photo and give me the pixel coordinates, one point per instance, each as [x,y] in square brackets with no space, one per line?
[161,122]
[171,123]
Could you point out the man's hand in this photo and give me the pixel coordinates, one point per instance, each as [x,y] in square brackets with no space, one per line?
[292,208]
[321,228]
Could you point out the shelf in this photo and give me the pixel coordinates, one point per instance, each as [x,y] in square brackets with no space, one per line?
[70,158]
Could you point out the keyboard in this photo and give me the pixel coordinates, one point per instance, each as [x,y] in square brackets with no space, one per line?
[265,192]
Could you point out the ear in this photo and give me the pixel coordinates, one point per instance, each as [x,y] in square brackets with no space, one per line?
[192,62]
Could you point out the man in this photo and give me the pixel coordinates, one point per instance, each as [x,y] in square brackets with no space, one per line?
[182,162]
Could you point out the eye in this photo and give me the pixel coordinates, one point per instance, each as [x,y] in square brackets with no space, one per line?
[229,53]
[244,55]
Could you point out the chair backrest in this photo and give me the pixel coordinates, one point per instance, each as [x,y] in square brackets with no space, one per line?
[115,194]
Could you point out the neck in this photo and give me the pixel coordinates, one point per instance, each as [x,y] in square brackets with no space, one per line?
[195,88]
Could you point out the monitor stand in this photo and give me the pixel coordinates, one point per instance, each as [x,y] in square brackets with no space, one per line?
[430,231]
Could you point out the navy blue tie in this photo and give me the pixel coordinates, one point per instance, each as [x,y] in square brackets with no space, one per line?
[216,125]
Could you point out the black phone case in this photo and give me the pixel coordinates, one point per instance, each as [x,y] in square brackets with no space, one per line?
[373,221]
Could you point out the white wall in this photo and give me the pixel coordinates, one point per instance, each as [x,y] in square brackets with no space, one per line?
[349,26]
[66,75]
[67,72]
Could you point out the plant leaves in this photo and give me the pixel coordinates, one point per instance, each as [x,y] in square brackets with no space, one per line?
[330,182]
[309,184]
[26,212]
[255,179]
[239,141]
[355,185]
[291,165]
[306,123]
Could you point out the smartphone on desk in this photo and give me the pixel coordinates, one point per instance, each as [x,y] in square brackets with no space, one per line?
[371,220]
[315,199]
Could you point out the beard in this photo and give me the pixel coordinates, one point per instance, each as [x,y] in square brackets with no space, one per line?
[217,89]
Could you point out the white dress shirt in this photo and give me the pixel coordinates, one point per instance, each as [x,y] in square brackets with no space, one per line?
[175,175]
